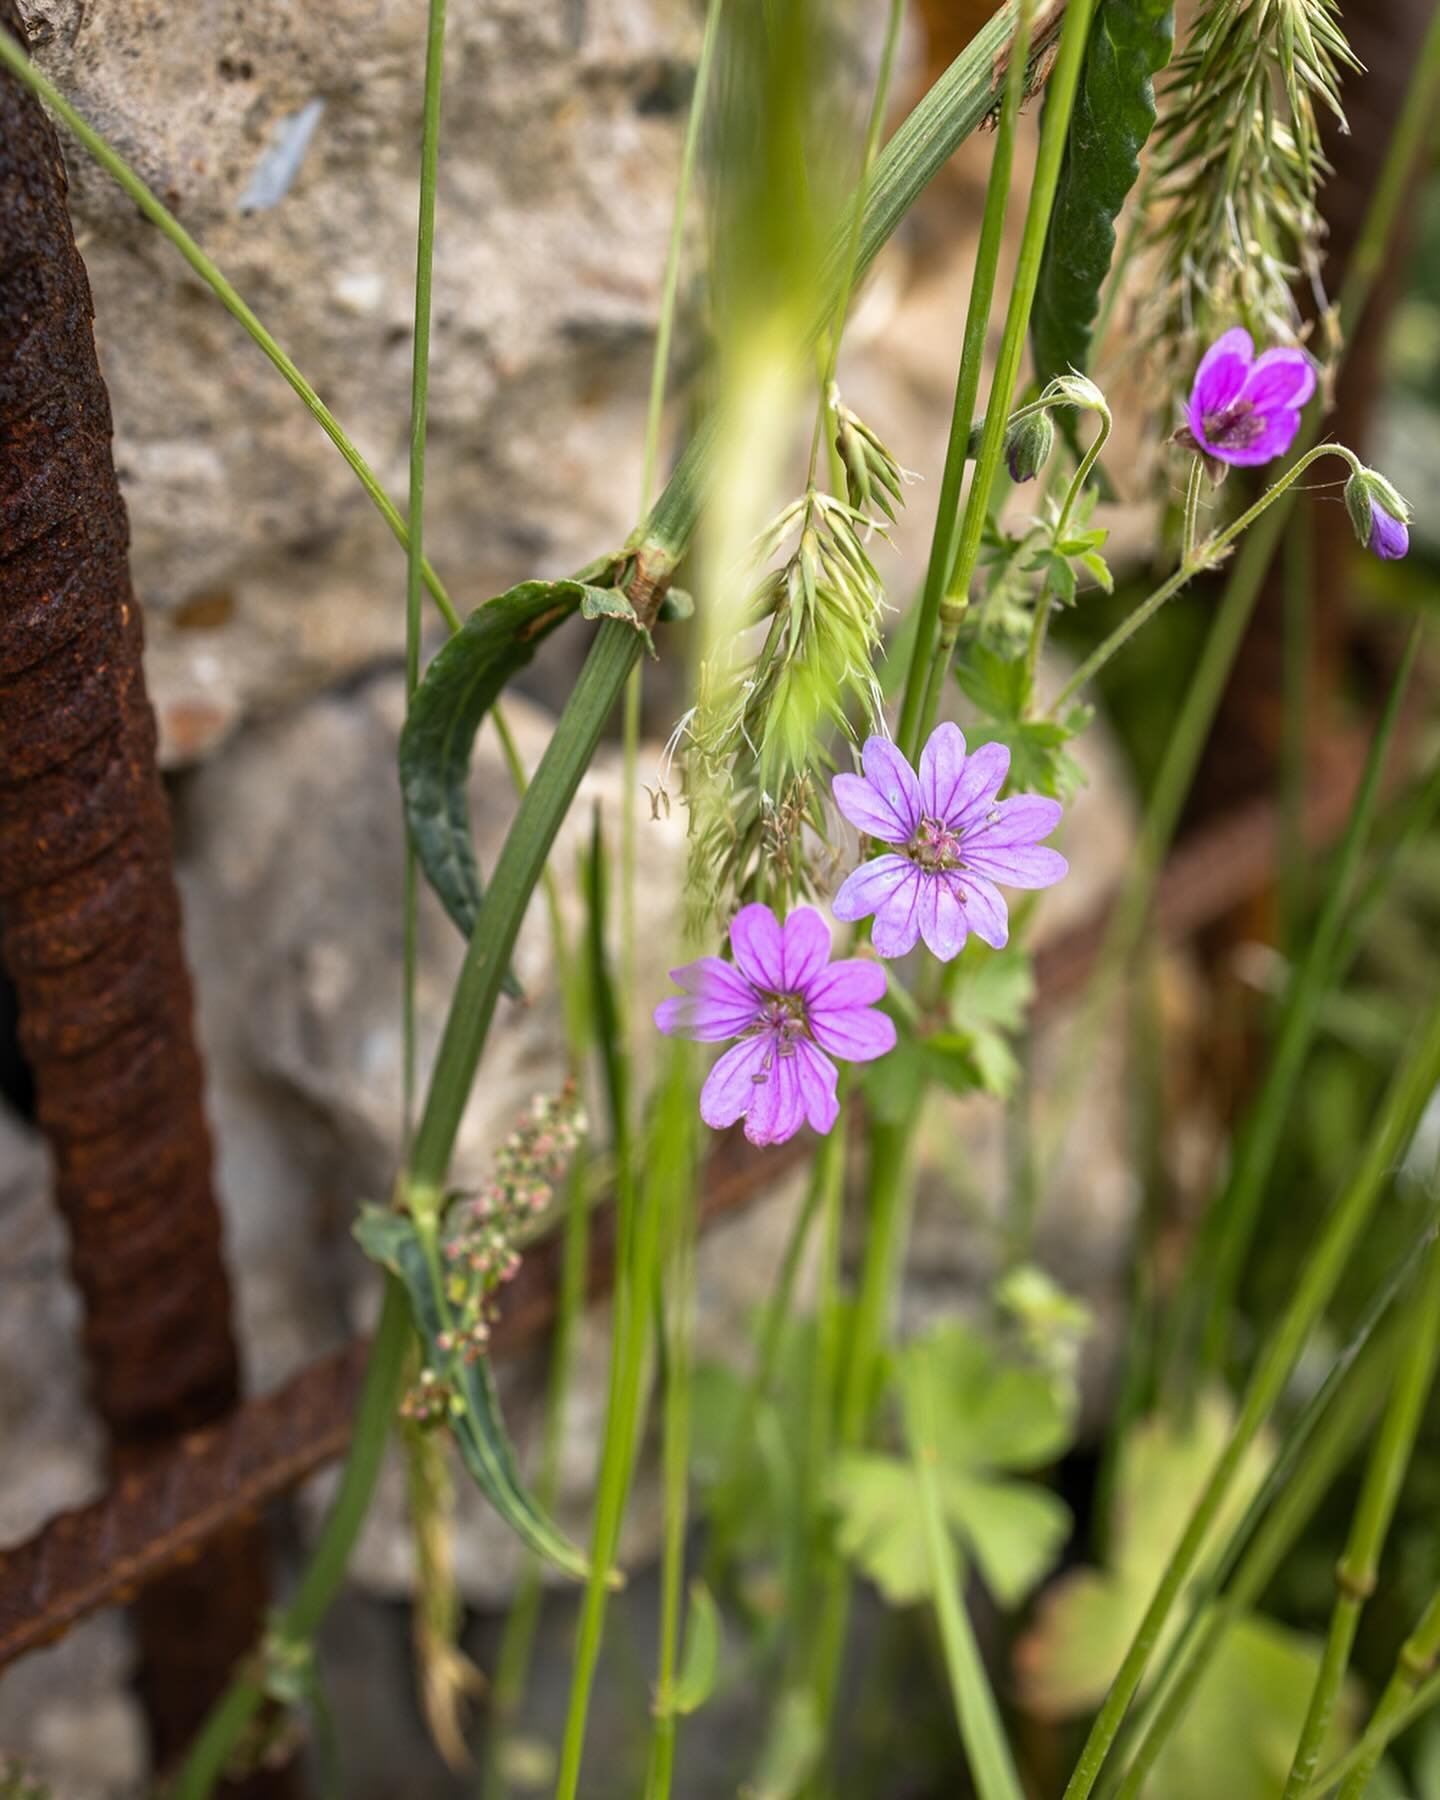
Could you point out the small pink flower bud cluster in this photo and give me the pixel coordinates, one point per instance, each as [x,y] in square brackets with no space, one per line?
[430,1401]
[480,1248]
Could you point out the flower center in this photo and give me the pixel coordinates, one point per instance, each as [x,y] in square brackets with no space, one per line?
[1234,427]
[934,846]
[782,1019]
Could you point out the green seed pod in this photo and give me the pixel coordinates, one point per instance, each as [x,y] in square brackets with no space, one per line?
[1028,443]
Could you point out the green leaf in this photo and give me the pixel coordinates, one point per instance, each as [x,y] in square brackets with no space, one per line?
[993,1416]
[700,1662]
[1130,40]
[991,1000]
[998,685]
[393,1240]
[793,1747]
[460,686]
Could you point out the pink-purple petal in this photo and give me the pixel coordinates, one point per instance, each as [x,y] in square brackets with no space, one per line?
[759,948]
[805,946]
[1017,865]
[1281,428]
[942,767]
[731,1086]
[942,918]
[985,912]
[856,1033]
[897,919]
[1022,820]
[711,978]
[867,888]
[777,1108]
[703,1021]
[817,1079]
[868,810]
[893,779]
[853,982]
[1280,377]
[985,772]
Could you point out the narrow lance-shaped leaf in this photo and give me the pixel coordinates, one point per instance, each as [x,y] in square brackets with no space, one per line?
[1130,40]
[460,686]
[391,1238]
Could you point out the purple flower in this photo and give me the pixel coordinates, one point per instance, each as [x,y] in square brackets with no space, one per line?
[954,841]
[1380,515]
[792,1010]
[1246,408]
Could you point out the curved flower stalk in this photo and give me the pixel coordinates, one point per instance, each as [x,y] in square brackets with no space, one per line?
[953,839]
[791,1009]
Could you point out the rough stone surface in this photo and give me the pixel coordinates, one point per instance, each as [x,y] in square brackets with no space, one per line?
[263,569]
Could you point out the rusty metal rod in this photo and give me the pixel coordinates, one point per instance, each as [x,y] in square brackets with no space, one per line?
[104,1552]
[90,919]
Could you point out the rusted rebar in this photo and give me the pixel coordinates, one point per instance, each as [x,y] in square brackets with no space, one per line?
[91,922]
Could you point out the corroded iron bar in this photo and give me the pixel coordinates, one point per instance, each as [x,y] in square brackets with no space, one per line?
[91,922]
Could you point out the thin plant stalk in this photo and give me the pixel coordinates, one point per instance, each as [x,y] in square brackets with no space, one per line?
[1231,1226]
[414,547]
[967,388]
[831,356]
[1296,1502]
[1054,131]
[1407,1695]
[1409,1090]
[679,1285]
[638,1239]
[986,1751]
[649,464]
[1358,1568]
[210,1752]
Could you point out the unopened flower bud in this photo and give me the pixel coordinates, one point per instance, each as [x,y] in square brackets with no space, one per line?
[1028,443]
[1380,515]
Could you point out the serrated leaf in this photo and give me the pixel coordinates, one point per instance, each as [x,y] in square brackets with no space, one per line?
[992,1417]
[998,685]
[392,1239]
[700,1661]
[459,688]
[1114,110]
[1100,569]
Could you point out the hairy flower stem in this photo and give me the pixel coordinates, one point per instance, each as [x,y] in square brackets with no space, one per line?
[925,651]
[978,1717]
[1410,1088]
[1059,102]
[1194,481]
[1357,1570]
[1040,624]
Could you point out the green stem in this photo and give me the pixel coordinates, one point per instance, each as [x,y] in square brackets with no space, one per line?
[1296,1501]
[1404,1700]
[1202,557]
[414,549]
[19,65]
[924,651]
[1054,131]
[1192,508]
[1230,1228]
[1409,1090]
[208,1755]
[1358,1568]
[978,1717]
[831,359]
[679,1285]
[638,1241]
